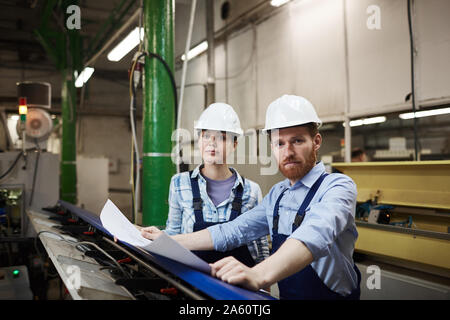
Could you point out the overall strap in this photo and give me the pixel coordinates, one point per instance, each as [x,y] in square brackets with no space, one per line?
[301,211]
[276,217]
[196,199]
[236,205]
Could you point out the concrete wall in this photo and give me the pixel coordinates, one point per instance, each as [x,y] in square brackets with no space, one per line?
[110,137]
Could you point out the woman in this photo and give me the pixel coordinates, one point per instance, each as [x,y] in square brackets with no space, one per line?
[214,192]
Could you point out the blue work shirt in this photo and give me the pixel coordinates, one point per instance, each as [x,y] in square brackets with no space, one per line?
[328,229]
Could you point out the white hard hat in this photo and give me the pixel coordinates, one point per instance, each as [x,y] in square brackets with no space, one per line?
[289,111]
[221,117]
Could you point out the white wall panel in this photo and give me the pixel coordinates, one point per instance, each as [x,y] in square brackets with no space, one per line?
[194,96]
[379,59]
[275,64]
[92,172]
[301,50]
[237,9]
[108,138]
[219,58]
[182,16]
[318,67]
[432,36]
[241,77]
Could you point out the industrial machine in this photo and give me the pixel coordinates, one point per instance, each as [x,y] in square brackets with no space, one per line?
[75,240]
[14,283]
[30,173]
[35,124]
[29,177]
[403,212]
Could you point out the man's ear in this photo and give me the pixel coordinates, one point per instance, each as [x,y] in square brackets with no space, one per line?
[317,142]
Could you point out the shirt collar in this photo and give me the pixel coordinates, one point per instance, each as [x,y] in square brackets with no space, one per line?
[196,171]
[309,179]
[239,180]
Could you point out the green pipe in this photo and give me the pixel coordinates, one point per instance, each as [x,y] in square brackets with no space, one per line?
[66,60]
[158,113]
[68,177]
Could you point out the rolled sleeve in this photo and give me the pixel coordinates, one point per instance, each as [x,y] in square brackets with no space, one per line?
[218,237]
[328,218]
[249,226]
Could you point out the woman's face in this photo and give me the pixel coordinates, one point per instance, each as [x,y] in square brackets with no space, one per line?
[215,146]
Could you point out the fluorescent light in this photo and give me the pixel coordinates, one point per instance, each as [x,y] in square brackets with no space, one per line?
[202,47]
[126,45]
[277,3]
[425,113]
[84,77]
[361,122]
[373,120]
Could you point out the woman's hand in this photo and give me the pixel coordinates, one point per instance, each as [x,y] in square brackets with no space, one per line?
[151,233]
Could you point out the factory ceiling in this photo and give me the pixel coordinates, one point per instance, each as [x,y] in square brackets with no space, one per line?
[24,58]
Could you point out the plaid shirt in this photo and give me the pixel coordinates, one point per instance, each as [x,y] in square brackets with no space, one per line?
[181,217]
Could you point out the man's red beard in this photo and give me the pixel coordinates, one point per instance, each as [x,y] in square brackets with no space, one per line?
[298,170]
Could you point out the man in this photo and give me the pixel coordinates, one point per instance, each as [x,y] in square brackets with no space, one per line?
[310,217]
[359,155]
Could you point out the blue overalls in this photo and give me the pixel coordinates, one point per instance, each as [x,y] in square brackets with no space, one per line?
[305,284]
[241,253]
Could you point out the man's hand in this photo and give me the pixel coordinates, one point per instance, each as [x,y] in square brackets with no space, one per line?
[231,270]
[290,258]
[151,233]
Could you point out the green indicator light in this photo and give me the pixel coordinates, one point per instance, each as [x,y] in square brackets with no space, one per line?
[16,272]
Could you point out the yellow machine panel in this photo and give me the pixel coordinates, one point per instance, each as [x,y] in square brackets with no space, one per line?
[418,190]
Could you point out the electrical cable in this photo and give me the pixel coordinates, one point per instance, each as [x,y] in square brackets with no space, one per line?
[251,59]
[183,82]
[132,180]
[135,185]
[413,94]
[172,79]
[106,254]
[36,242]
[36,165]
[134,207]
[12,166]
[134,144]
[77,244]
[134,175]
[107,274]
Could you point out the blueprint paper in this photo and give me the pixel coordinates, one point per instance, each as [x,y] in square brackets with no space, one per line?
[118,225]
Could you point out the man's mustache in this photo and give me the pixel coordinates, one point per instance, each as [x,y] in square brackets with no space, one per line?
[289,160]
